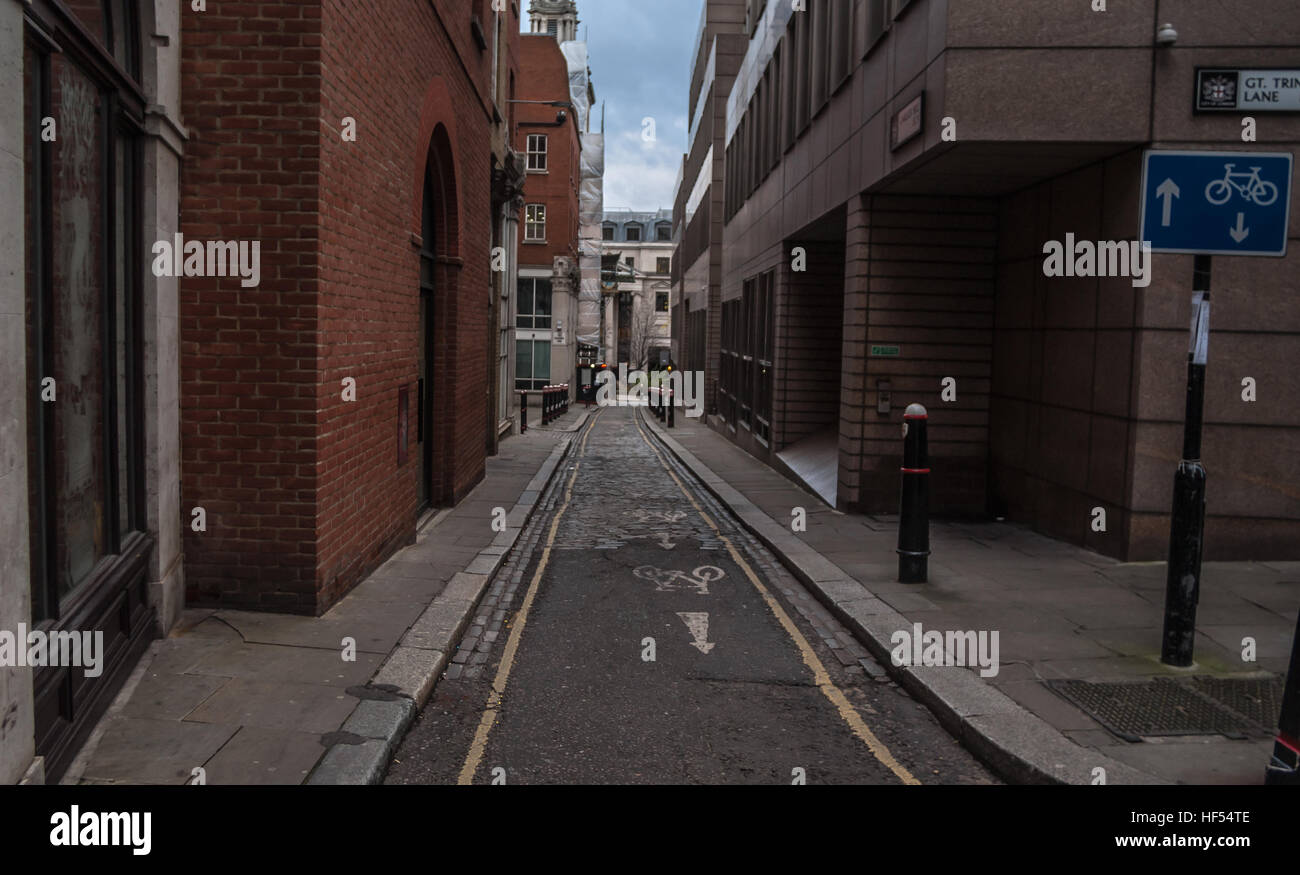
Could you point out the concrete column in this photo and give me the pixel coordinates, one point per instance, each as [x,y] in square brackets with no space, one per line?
[163,147]
[17,723]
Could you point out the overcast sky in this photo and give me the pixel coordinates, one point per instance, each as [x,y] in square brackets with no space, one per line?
[640,65]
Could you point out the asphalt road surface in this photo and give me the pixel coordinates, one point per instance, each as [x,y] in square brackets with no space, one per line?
[639,635]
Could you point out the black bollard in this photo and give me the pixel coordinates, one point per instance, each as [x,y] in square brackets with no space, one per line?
[523,411]
[672,397]
[1284,769]
[914,513]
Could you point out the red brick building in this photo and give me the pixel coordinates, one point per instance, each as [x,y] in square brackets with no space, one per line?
[547,134]
[324,410]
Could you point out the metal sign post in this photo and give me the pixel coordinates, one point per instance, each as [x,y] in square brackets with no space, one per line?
[1187,529]
[1205,204]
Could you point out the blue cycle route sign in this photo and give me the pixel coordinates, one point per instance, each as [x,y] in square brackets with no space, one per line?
[1216,203]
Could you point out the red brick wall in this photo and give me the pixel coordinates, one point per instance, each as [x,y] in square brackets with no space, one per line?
[546,77]
[304,492]
[250,97]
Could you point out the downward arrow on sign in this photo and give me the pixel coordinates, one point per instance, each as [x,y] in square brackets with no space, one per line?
[698,624]
[1241,232]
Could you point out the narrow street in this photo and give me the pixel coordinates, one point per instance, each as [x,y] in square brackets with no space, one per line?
[640,636]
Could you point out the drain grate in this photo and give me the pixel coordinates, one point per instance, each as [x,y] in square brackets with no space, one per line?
[1234,707]
[1257,699]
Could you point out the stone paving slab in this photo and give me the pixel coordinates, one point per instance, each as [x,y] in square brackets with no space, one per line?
[1061,611]
[256,698]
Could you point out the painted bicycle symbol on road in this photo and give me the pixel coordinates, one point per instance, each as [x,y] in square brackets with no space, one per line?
[1251,187]
[668,580]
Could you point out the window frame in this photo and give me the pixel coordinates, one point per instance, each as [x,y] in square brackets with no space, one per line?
[530,222]
[543,165]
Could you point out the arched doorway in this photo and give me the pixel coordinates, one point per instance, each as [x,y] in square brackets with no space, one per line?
[437,236]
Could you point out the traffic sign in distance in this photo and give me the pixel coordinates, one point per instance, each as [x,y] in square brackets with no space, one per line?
[1216,203]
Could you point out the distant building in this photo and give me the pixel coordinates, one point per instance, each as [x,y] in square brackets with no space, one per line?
[555,18]
[545,300]
[639,249]
[893,171]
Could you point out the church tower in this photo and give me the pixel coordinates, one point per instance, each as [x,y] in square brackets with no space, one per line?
[559,18]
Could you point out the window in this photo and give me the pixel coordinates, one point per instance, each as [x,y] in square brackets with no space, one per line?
[535,223]
[664,232]
[633,233]
[663,265]
[607,232]
[83,292]
[730,363]
[82,299]
[532,364]
[534,303]
[537,153]
[803,79]
[819,55]
[552,27]
[876,22]
[841,43]
[764,350]
[629,261]
[661,302]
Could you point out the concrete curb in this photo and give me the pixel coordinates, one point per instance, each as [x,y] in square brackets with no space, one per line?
[404,682]
[1016,743]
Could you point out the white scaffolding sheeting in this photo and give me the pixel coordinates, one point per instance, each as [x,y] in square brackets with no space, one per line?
[575,56]
[591,210]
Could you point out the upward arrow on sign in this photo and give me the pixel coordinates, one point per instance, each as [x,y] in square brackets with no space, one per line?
[1167,191]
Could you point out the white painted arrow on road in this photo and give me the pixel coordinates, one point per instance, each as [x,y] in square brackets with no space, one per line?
[1168,190]
[698,624]
[1241,232]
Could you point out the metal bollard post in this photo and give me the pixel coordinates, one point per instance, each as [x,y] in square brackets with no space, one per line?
[1284,769]
[523,411]
[671,398]
[914,513]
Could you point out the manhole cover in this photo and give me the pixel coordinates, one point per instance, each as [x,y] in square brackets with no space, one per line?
[1157,707]
[1257,699]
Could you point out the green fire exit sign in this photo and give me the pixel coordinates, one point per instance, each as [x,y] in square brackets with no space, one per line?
[886,351]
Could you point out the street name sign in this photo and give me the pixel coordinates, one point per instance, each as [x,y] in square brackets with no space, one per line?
[1216,203]
[1240,90]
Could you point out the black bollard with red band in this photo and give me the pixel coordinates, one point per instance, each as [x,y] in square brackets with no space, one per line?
[914,513]
[1285,766]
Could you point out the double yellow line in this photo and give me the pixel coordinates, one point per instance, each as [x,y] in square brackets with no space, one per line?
[478,746]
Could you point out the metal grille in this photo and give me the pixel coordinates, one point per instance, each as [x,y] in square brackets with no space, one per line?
[1257,699]
[1234,707]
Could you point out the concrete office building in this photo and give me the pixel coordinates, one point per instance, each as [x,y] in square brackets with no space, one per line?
[894,170]
[637,302]
[720,45]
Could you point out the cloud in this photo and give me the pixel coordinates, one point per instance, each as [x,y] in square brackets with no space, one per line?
[640,58]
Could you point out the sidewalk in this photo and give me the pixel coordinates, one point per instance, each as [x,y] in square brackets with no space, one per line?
[1062,612]
[255,698]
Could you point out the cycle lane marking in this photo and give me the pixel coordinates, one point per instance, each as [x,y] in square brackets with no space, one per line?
[820,676]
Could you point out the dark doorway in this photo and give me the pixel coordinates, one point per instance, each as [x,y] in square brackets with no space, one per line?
[424,392]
